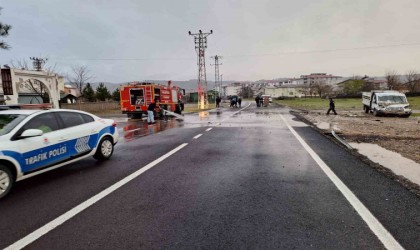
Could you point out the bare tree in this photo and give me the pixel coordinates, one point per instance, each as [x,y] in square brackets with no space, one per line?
[413,81]
[25,65]
[20,64]
[79,77]
[4,31]
[392,80]
[321,88]
[246,92]
[39,89]
[35,86]
[356,77]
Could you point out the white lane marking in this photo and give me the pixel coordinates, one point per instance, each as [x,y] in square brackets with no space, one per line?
[377,228]
[79,208]
[197,136]
[241,109]
[208,129]
[233,114]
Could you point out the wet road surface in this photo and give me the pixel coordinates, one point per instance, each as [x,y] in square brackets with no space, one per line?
[237,180]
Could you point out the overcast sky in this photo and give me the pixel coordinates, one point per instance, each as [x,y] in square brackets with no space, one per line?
[129,40]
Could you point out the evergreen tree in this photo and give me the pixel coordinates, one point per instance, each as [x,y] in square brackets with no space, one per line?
[88,93]
[116,95]
[102,92]
[4,31]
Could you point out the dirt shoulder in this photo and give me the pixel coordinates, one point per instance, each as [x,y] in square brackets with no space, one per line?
[401,135]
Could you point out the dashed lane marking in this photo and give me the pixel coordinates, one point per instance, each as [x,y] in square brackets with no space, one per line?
[74,211]
[197,136]
[377,228]
[209,129]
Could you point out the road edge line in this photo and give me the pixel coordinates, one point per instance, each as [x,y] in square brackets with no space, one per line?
[86,204]
[375,226]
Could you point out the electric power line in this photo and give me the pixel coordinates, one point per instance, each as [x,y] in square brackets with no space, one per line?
[243,55]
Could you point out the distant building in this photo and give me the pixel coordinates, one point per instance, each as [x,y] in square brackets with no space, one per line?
[68,98]
[70,89]
[19,86]
[233,89]
[317,77]
[375,83]
[285,91]
[211,95]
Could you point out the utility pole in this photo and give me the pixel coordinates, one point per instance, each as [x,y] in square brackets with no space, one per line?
[216,73]
[200,40]
[221,83]
[38,62]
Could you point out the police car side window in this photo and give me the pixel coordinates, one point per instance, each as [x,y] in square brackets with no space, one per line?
[45,122]
[87,118]
[71,119]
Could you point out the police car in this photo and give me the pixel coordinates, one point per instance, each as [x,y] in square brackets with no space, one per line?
[35,141]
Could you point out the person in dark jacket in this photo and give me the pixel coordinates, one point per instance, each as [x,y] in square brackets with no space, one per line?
[150,109]
[239,101]
[257,100]
[332,107]
[218,102]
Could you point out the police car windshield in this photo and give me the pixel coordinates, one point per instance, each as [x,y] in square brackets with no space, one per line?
[9,122]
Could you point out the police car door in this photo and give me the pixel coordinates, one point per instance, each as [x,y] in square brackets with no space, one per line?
[81,132]
[42,151]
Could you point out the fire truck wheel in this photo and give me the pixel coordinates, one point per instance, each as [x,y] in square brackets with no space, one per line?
[105,149]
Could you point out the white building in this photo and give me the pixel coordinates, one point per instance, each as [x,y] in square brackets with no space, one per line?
[285,91]
[321,77]
[19,86]
[233,89]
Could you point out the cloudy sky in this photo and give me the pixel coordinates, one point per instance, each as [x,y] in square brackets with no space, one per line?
[143,40]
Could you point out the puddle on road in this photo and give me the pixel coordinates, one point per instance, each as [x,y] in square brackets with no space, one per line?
[132,129]
[139,128]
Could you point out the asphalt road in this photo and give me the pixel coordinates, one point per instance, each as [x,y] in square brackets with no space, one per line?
[246,183]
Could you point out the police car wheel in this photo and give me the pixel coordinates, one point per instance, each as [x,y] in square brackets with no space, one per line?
[6,181]
[105,149]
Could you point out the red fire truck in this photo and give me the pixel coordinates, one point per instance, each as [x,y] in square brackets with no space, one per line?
[135,98]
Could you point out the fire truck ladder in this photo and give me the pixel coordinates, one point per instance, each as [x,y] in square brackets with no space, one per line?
[148,94]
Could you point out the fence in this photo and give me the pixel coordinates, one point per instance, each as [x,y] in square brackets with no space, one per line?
[94,107]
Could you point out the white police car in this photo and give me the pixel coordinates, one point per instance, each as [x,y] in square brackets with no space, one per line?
[36,141]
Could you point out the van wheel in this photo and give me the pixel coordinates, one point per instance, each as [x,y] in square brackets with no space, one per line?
[6,180]
[376,113]
[105,149]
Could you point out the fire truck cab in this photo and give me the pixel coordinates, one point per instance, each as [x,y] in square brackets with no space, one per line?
[135,98]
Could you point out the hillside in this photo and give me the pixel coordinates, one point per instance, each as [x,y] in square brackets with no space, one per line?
[189,86]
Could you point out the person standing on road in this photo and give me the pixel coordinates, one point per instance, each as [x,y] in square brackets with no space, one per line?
[150,109]
[332,107]
[257,100]
[239,101]
[218,102]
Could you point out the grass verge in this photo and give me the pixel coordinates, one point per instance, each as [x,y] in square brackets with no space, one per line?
[340,103]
